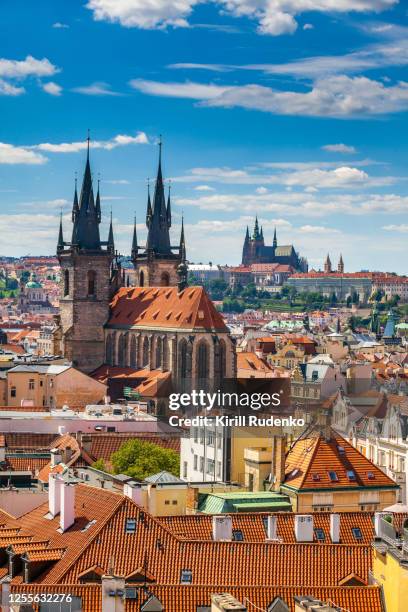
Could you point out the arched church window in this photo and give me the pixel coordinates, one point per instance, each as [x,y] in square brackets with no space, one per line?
[159,352]
[165,279]
[223,358]
[66,282]
[146,352]
[165,358]
[133,352]
[121,350]
[141,279]
[109,350]
[91,282]
[203,366]
[183,359]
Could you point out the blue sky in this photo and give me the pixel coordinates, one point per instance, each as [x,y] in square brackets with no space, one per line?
[265,108]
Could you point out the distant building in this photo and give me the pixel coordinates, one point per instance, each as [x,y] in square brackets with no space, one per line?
[33,298]
[348,284]
[256,252]
[205,272]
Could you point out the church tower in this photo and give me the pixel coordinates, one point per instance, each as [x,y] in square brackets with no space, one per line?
[157,264]
[89,277]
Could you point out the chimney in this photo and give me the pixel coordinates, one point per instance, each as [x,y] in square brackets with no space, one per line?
[56,457]
[305,603]
[85,442]
[335,528]
[225,602]
[278,460]
[67,515]
[133,490]
[272,527]
[304,527]
[222,528]
[54,494]
[113,591]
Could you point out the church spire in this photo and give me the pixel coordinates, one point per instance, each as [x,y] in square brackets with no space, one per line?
[247,235]
[85,234]
[98,204]
[256,229]
[149,211]
[182,242]
[157,216]
[60,245]
[261,236]
[75,207]
[135,248]
[168,210]
[111,242]
[275,239]
[327,265]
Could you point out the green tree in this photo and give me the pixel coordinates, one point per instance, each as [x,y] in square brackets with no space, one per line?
[141,459]
[100,464]
[217,287]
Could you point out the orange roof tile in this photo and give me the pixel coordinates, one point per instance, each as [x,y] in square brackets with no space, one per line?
[165,307]
[199,526]
[309,461]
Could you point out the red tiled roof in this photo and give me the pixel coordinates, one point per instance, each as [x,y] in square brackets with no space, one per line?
[309,461]
[104,445]
[199,526]
[186,598]
[165,307]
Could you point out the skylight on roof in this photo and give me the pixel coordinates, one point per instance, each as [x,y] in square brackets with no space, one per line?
[237,535]
[315,477]
[333,476]
[130,525]
[370,475]
[351,475]
[356,531]
[319,533]
[186,576]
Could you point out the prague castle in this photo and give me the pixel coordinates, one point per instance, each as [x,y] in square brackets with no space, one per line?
[256,252]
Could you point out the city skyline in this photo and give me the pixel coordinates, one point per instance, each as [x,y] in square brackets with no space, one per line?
[261,114]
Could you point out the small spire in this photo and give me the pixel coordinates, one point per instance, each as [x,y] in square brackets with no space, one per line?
[256,228]
[134,242]
[275,239]
[111,242]
[88,142]
[149,212]
[182,241]
[261,235]
[75,207]
[98,203]
[60,245]
[168,209]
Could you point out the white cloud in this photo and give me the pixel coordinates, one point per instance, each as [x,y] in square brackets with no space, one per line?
[7,89]
[96,89]
[204,188]
[194,91]
[52,88]
[117,182]
[142,14]
[30,66]
[73,147]
[306,175]
[10,154]
[308,26]
[339,148]
[318,229]
[337,96]
[274,17]
[301,204]
[60,26]
[403,228]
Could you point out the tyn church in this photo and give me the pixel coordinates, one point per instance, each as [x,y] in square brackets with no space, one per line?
[161,325]
[256,252]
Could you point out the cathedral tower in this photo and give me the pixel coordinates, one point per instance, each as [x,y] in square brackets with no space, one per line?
[89,277]
[157,264]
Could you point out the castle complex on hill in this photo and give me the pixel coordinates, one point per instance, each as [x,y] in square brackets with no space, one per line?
[256,252]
